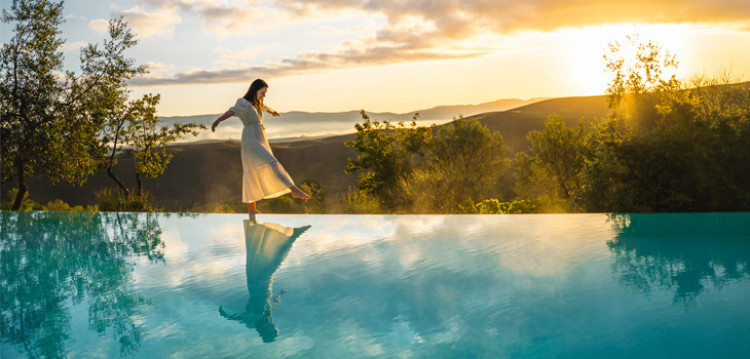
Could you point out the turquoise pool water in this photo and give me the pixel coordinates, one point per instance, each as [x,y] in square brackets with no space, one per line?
[326,286]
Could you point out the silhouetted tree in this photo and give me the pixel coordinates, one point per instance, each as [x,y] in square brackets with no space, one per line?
[386,154]
[463,161]
[149,140]
[46,128]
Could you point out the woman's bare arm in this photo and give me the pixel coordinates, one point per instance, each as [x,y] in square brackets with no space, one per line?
[223,117]
[271,111]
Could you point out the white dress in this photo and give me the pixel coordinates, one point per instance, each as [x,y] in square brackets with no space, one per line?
[262,174]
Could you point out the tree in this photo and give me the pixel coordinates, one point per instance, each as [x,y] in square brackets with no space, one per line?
[45,126]
[668,145]
[637,82]
[464,160]
[110,106]
[149,140]
[557,156]
[387,153]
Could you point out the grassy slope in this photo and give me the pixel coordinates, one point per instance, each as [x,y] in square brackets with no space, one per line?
[515,124]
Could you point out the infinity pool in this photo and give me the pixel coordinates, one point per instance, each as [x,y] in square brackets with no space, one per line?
[89,285]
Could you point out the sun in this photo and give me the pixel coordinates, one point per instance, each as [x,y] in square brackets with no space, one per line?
[584,58]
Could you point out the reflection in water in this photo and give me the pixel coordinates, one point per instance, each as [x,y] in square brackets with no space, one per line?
[681,251]
[53,260]
[267,244]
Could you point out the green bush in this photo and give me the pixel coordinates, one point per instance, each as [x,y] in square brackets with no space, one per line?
[227,208]
[538,205]
[359,202]
[386,153]
[283,204]
[27,204]
[60,205]
[113,200]
[316,203]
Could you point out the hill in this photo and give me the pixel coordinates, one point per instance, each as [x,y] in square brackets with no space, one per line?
[290,125]
[203,175]
[515,124]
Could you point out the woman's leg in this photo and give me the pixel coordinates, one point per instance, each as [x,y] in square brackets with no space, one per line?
[296,192]
[251,208]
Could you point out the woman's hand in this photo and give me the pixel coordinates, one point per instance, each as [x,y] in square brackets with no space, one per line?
[274,113]
[223,117]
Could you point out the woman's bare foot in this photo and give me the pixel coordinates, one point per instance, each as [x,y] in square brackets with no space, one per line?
[296,192]
[251,208]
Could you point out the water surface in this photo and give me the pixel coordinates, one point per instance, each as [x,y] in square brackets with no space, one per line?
[327,286]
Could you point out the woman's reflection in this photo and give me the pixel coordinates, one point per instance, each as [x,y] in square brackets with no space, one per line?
[267,244]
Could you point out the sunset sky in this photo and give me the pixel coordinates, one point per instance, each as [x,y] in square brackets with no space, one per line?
[398,56]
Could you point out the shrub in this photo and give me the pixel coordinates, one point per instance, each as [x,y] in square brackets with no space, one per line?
[538,205]
[27,204]
[316,203]
[114,200]
[226,208]
[60,205]
[283,204]
[359,202]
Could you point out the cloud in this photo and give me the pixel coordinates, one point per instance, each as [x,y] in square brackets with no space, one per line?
[506,15]
[463,19]
[72,46]
[159,67]
[421,30]
[99,25]
[74,17]
[246,53]
[145,22]
[410,40]
[223,21]
[306,63]
[151,23]
[222,18]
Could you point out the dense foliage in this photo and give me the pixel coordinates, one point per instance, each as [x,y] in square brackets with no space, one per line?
[423,169]
[387,154]
[44,128]
[667,145]
[63,125]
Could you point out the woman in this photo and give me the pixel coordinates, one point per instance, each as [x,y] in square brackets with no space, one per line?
[262,174]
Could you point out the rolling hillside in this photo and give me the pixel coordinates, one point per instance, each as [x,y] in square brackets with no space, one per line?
[203,175]
[516,123]
[298,125]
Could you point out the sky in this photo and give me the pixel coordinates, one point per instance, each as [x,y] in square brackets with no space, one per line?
[398,56]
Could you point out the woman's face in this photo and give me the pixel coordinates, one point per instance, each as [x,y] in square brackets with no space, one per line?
[261,94]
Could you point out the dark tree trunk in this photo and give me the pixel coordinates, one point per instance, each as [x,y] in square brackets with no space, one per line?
[140,183]
[112,157]
[22,188]
[119,183]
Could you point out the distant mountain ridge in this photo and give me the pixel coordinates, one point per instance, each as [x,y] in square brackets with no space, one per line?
[438,112]
[290,125]
[515,124]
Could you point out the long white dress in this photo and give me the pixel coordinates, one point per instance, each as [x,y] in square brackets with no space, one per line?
[262,174]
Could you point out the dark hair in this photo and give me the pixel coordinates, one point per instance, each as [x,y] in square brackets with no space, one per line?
[252,92]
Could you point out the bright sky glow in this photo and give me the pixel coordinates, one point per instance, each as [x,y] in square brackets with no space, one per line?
[328,56]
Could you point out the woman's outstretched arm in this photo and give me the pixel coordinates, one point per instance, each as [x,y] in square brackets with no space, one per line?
[271,111]
[223,117]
